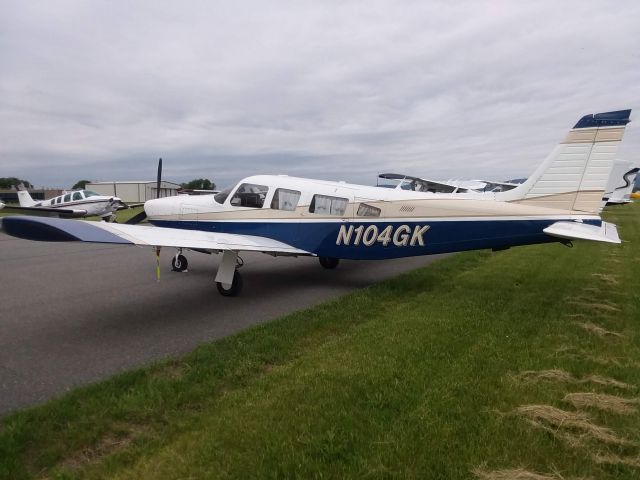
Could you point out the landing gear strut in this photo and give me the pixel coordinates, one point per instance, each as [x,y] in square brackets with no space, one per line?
[329,262]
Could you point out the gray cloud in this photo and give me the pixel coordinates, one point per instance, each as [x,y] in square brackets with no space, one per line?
[341,90]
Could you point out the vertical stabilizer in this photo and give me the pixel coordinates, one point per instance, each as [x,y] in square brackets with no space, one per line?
[621,182]
[574,175]
[24,198]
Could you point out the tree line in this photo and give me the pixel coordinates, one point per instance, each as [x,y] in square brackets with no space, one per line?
[9,182]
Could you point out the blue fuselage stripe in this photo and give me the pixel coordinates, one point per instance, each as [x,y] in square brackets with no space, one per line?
[322,238]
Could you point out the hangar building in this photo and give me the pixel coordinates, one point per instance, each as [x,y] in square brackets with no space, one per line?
[134,192]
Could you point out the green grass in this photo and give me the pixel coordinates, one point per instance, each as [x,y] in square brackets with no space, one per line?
[412,378]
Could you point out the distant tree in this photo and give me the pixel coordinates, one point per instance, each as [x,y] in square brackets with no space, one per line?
[80,184]
[199,184]
[8,182]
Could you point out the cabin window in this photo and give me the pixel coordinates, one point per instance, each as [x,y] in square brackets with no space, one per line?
[325,205]
[89,193]
[67,197]
[77,196]
[365,210]
[284,199]
[222,196]
[249,195]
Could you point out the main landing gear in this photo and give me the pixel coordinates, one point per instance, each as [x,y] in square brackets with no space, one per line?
[329,262]
[228,279]
[232,290]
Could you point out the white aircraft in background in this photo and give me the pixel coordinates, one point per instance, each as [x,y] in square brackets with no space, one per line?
[621,183]
[281,215]
[417,184]
[78,203]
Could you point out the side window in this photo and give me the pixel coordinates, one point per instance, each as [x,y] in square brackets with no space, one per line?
[67,197]
[325,205]
[59,200]
[284,199]
[365,210]
[77,196]
[249,195]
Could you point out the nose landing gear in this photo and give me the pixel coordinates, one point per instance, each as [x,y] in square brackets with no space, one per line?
[179,263]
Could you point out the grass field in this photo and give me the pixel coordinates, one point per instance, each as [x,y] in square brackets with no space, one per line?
[487,365]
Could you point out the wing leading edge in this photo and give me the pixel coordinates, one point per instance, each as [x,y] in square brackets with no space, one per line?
[59,230]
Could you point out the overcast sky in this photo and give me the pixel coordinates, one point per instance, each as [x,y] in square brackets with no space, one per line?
[327,89]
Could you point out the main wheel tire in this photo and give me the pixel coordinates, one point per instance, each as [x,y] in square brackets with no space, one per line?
[234,290]
[329,262]
[179,263]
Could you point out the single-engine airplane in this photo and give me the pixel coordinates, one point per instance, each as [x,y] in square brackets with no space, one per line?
[77,203]
[282,215]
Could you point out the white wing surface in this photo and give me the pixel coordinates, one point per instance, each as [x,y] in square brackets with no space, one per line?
[56,230]
[607,232]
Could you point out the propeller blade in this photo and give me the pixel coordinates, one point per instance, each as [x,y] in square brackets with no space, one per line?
[159,178]
[137,218]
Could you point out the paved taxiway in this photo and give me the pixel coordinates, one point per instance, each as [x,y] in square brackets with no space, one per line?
[73,313]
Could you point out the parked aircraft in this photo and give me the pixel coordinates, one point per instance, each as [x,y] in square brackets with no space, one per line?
[78,203]
[408,182]
[621,182]
[281,215]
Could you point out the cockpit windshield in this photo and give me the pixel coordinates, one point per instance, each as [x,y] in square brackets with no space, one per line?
[89,193]
[222,196]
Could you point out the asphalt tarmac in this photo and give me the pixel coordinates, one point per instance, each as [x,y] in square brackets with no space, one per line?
[74,313]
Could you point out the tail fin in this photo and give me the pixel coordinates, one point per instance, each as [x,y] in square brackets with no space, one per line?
[623,175]
[24,198]
[574,175]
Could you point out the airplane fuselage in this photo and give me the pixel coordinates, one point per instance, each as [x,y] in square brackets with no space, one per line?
[341,220]
[83,203]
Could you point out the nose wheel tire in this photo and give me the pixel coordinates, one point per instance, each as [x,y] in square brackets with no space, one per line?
[329,262]
[179,263]
[234,289]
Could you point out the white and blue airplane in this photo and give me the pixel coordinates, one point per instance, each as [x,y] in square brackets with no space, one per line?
[77,203]
[282,215]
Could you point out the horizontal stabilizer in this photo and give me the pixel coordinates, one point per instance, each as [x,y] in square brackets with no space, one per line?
[607,232]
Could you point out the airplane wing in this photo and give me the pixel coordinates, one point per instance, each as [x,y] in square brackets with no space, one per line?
[45,211]
[59,230]
[607,232]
